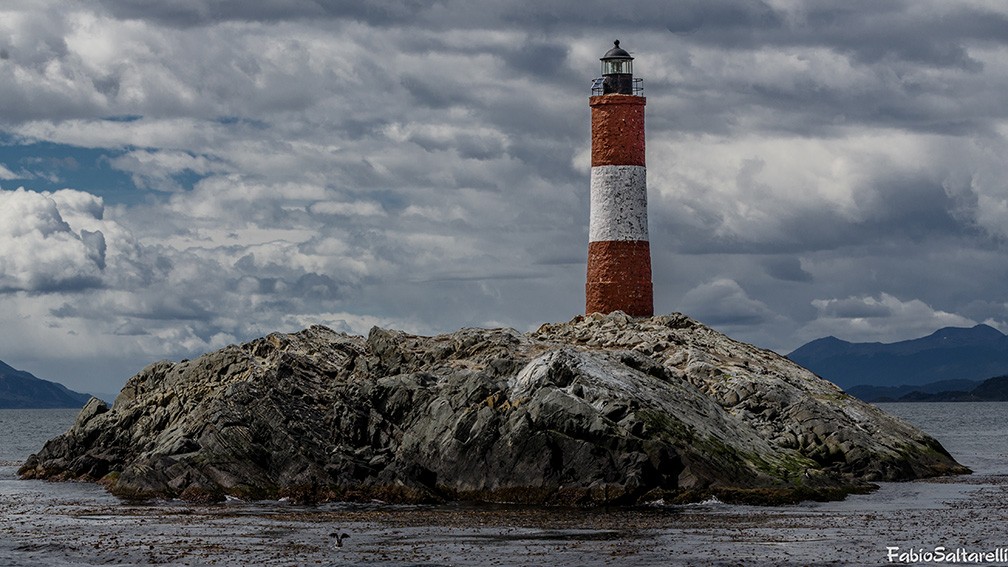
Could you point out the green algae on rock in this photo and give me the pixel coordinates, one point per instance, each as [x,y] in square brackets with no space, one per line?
[600,410]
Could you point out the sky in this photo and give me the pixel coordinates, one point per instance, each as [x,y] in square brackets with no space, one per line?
[182,175]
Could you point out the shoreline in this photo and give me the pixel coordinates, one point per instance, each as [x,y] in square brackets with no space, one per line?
[76,523]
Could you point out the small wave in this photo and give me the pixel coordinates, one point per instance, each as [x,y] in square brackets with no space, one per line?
[712,501]
[660,503]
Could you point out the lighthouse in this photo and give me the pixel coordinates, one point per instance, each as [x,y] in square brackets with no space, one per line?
[619,255]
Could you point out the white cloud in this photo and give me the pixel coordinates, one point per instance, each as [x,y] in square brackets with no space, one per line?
[157,169]
[347,209]
[352,323]
[78,207]
[172,133]
[883,318]
[756,188]
[40,251]
[723,302]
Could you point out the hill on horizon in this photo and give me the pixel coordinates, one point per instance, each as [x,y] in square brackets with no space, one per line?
[990,390]
[949,354]
[22,390]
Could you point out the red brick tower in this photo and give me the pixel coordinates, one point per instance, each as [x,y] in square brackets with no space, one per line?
[619,255]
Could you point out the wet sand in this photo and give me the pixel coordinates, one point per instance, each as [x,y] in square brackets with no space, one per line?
[79,524]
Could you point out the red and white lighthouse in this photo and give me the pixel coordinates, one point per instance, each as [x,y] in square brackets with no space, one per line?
[619,255]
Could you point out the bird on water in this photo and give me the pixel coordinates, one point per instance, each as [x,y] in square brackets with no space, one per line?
[339,537]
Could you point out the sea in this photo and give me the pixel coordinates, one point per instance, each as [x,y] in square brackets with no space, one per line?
[957,520]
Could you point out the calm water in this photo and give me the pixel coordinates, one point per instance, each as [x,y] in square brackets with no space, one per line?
[64,524]
[25,431]
[975,433]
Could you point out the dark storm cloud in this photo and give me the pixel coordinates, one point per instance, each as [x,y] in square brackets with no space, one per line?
[786,268]
[681,17]
[906,30]
[914,58]
[539,59]
[435,92]
[908,208]
[897,211]
[205,12]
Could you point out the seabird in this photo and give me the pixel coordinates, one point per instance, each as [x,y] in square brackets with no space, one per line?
[339,538]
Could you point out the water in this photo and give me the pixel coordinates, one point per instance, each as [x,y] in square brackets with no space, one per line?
[975,433]
[25,431]
[79,524]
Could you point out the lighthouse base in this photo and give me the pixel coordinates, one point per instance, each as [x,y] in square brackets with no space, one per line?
[619,278]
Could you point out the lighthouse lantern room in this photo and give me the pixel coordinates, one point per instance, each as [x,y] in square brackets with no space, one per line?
[617,71]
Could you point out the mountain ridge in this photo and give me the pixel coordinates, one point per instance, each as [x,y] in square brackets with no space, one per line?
[990,390]
[23,390]
[950,353]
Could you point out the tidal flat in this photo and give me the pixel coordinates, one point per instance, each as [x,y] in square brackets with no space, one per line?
[79,524]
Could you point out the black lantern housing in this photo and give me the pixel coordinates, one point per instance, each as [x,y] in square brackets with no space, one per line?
[617,71]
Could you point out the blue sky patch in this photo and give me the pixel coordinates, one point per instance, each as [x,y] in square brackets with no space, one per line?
[48,166]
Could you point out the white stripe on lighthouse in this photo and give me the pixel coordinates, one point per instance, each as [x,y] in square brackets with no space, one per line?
[618,203]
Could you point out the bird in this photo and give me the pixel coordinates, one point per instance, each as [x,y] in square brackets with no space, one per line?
[339,538]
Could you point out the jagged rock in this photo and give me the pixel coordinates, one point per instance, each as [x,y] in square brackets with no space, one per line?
[600,410]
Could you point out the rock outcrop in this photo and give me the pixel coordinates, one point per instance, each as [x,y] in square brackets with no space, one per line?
[600,410]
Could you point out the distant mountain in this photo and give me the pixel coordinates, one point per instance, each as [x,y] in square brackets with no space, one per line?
[952,353]
[19,389]
[990,390]
[994,390]
[871,393]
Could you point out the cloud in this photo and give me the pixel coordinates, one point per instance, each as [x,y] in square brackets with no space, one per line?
[885,317]
[857,307]
[159,170]
[337,208]
[7,174]
[202,12]
[78,207]
[251,167]
[724,302]
[771,193]
[786,268]
[352,323]
[40,251]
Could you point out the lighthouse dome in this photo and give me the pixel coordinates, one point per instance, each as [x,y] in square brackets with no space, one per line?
[616,52]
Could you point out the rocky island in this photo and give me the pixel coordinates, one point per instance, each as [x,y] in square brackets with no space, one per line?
[602,410]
